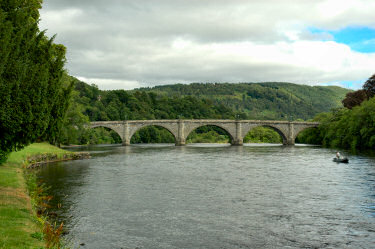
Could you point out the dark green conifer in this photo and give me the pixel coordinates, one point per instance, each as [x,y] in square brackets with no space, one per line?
[31,67]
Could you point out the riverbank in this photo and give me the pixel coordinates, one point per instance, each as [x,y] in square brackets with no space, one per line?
[20,227]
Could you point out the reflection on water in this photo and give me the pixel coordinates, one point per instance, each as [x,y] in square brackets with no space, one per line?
[215,196]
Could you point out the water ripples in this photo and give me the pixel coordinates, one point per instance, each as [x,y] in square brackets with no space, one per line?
[205,196]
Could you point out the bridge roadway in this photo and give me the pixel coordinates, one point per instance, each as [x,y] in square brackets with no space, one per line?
[181,128]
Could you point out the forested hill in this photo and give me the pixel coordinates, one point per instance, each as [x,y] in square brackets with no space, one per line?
[270,100]
[280,101]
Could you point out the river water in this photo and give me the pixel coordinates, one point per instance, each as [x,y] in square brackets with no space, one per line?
[214,196]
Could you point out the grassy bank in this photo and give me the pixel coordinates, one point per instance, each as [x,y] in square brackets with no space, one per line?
[19,226]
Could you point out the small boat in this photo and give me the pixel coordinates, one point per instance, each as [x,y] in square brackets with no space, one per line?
[341,160]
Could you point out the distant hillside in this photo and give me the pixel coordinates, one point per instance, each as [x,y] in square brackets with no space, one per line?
[270,100]
[282,101]
[100,105]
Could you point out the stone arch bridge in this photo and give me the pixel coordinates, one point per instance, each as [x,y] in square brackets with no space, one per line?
[181,128]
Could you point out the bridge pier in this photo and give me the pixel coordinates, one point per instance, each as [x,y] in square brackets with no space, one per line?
[237,140]
[289,142]
[180,142]
[125,143]
[290,136]
[125,134]
[180,139]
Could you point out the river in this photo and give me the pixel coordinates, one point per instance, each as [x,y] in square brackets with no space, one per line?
[214,196]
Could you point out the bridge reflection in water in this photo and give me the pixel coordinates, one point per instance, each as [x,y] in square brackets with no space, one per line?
[181,128]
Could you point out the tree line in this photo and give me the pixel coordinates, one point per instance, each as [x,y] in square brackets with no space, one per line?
[265,101]
[195,101]
[349,127]
[91,104]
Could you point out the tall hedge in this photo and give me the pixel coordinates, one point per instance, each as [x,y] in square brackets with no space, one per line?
[31,68]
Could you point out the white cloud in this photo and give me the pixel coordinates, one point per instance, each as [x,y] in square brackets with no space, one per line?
[110,84]
[126,44]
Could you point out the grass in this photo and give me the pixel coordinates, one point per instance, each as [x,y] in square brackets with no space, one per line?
[34,149]
[18,221]
[8,177]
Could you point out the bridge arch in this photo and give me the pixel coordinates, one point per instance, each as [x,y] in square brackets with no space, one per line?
[140,127]
[117,129]
[300,130]
[264,134]
[192,128]
[279,129]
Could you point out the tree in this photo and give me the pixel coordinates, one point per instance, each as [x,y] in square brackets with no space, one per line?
[369,86]
[31,67]
[73,129]
[345,128]
[354,98]
[59,108]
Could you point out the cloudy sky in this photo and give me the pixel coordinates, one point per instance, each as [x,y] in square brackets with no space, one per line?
[126,44]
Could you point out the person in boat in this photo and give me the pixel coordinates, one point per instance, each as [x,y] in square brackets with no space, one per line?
[338,156]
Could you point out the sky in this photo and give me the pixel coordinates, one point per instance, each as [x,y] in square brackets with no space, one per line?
[127,44]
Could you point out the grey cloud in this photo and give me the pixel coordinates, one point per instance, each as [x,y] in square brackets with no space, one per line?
[205,21]
[132,40]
